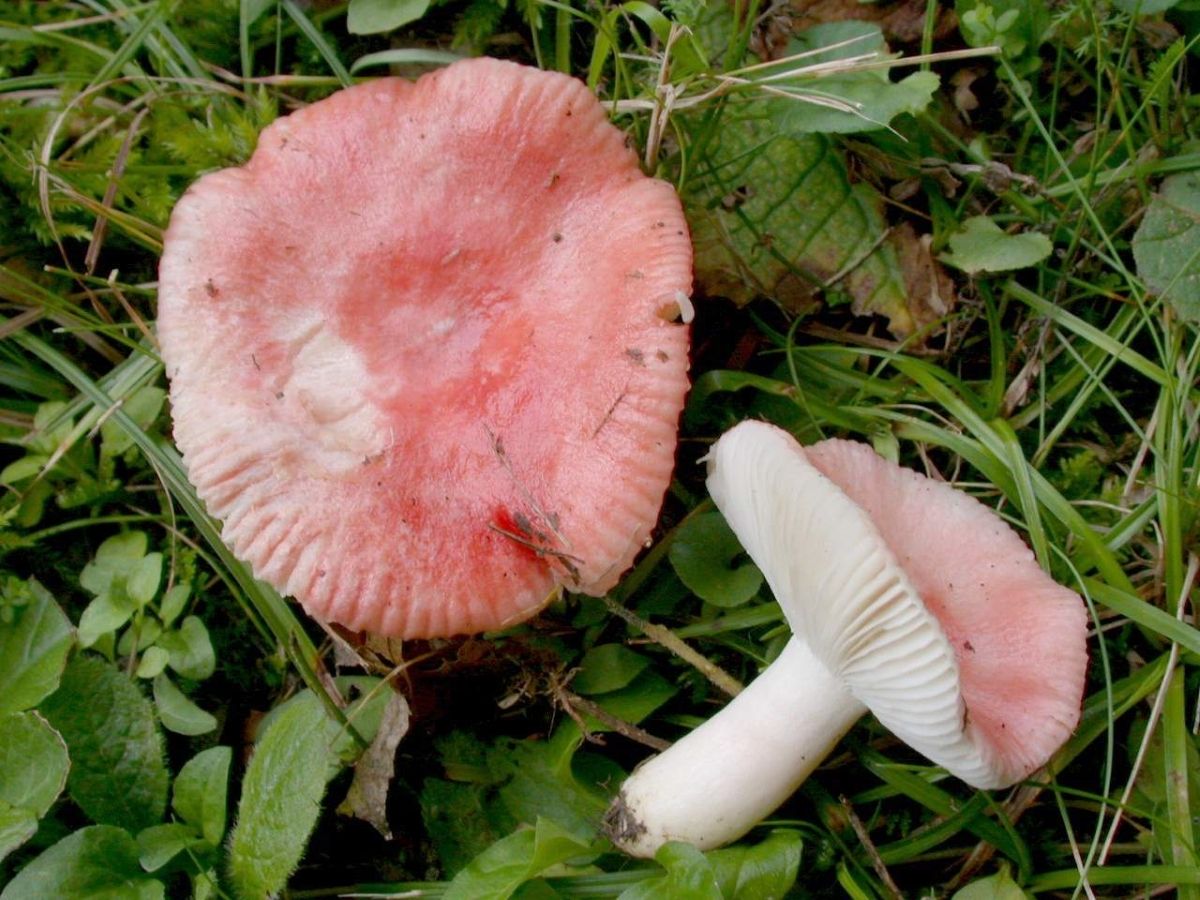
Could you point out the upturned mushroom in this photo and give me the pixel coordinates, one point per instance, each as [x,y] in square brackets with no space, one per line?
[423,347]
[906,598]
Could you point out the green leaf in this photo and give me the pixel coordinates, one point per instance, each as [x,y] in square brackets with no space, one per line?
[707,558]
[173,602]
[1166,245]
[200,792]
[25,467]
[410,56]
[995,887]
[191,649]
[541,784]
[759,872]
[115,559]
[689,875]
[507,864]
[1016,26]
[142,581]
[33,650]
[118,776]
[983,246]
[143,406]
[33,762]
[95,863]
[873,98]
[776,215]
[159,844]
[608,667]
[121,551]
[105,614]
[375,16]
[153,661]
[17,825]
[177,712]
[281,796]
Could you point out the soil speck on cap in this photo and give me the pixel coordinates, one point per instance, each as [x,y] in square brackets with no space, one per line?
[211,289]
[636,355]
[557,237]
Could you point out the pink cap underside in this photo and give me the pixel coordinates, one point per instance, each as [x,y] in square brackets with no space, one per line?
[1018,637]
[484,304]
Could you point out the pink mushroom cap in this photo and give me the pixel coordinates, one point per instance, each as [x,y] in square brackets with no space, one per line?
[1019,638]
[423,358]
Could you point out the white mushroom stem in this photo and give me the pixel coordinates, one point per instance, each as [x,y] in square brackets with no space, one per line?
[717,782]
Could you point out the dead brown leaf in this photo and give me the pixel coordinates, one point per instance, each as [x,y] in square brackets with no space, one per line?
[931,294]
[367,797]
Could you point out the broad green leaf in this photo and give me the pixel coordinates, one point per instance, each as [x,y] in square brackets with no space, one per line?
[143,406]
[17,825]
[759,872]
[375,16]
[153,661]
[281,796]
[25,467]
[200,792]
[507,864]
[121,551]
[995,887]
[981,245]
[688,875]
[33,650]
[540,783]
[873,98]
[1166,245]
[191,649]
[115,559]
[105,614]
[608,667]
[177,712]
[143,579]
[33,762]
[95,863]
[141,637]
[707,558]
[159,844]
[775,214]
[118,776]
[173,602]
[459,821]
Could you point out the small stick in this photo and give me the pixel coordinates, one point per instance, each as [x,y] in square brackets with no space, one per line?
[620,726]
[877,862]
[667,638]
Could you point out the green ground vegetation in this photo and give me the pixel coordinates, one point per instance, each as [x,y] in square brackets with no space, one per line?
[983,259]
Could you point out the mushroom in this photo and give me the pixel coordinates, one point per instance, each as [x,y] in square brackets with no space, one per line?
[424,358]
[906,598]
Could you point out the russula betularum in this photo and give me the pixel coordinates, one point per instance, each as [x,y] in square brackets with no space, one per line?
[423,360]
[906,598]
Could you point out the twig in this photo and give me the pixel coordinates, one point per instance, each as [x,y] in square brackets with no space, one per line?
[572,702]
[877,862]
[665,637]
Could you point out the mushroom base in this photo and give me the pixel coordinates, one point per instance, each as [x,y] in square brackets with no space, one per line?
[716,783]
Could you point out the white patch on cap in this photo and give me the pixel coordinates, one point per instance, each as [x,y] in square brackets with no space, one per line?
[325,398]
